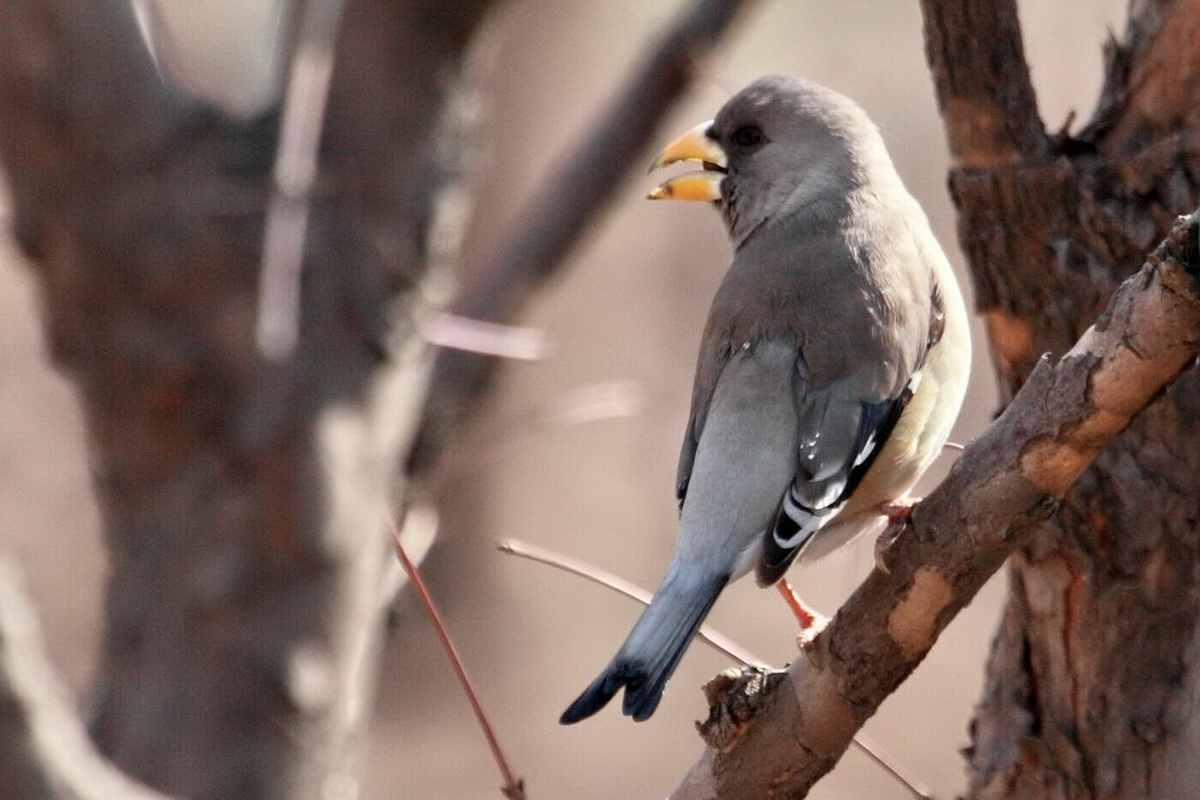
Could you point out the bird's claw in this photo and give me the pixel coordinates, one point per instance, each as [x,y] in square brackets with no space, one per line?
[899,510]
[899,516]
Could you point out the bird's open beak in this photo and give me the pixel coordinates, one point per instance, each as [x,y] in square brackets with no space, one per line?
[705,184]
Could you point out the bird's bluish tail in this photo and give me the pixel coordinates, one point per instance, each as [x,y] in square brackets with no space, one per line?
[653,649]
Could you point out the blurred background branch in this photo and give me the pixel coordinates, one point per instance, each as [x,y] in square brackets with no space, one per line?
[570,200]
[243,501]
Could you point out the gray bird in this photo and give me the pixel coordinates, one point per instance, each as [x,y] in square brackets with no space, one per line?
[832,366]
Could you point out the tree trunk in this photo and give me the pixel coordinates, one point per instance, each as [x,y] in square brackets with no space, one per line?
[1091,683]
[243,501]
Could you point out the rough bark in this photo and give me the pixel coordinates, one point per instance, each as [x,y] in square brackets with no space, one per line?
[243,502]
[776,735]
[1093,675]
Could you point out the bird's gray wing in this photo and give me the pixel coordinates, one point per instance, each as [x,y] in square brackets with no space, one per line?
[687,454]
[839,436]
[710,363]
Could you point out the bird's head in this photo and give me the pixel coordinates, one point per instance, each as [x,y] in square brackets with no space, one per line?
[779,147]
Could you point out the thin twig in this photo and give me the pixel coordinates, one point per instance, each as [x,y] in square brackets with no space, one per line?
[890,765]
[419,533]
[485,338]
[617,584]
[712,637]
[514,788]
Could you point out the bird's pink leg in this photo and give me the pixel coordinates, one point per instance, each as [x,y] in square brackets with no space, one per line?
[811,623]
[804,615]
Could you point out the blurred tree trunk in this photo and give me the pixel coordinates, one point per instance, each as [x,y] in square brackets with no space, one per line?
[243,501]
[1092,683]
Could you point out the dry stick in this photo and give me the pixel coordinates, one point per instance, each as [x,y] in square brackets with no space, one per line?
[714,638]
[485,338]
[617,584]
[514,788]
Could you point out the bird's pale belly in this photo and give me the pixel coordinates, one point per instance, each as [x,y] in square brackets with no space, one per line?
[914,444]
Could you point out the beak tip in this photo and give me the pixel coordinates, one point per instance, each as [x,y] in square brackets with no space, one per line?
[695,145]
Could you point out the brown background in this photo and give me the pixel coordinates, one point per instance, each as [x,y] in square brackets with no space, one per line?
[627,317]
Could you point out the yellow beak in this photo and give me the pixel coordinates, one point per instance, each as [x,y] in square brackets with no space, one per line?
[703,185]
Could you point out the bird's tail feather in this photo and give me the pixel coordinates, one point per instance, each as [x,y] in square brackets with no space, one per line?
[653,649]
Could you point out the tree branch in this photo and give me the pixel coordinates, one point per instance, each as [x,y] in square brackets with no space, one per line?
[571,199]
[45,752]
[793,727]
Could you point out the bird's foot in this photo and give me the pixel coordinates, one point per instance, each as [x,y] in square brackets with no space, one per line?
[899,514]
[810,621]
[899,510]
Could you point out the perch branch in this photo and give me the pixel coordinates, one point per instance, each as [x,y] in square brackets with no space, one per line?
[571,198]
[802,720]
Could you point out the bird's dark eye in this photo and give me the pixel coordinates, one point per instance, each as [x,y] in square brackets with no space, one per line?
[748,136]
